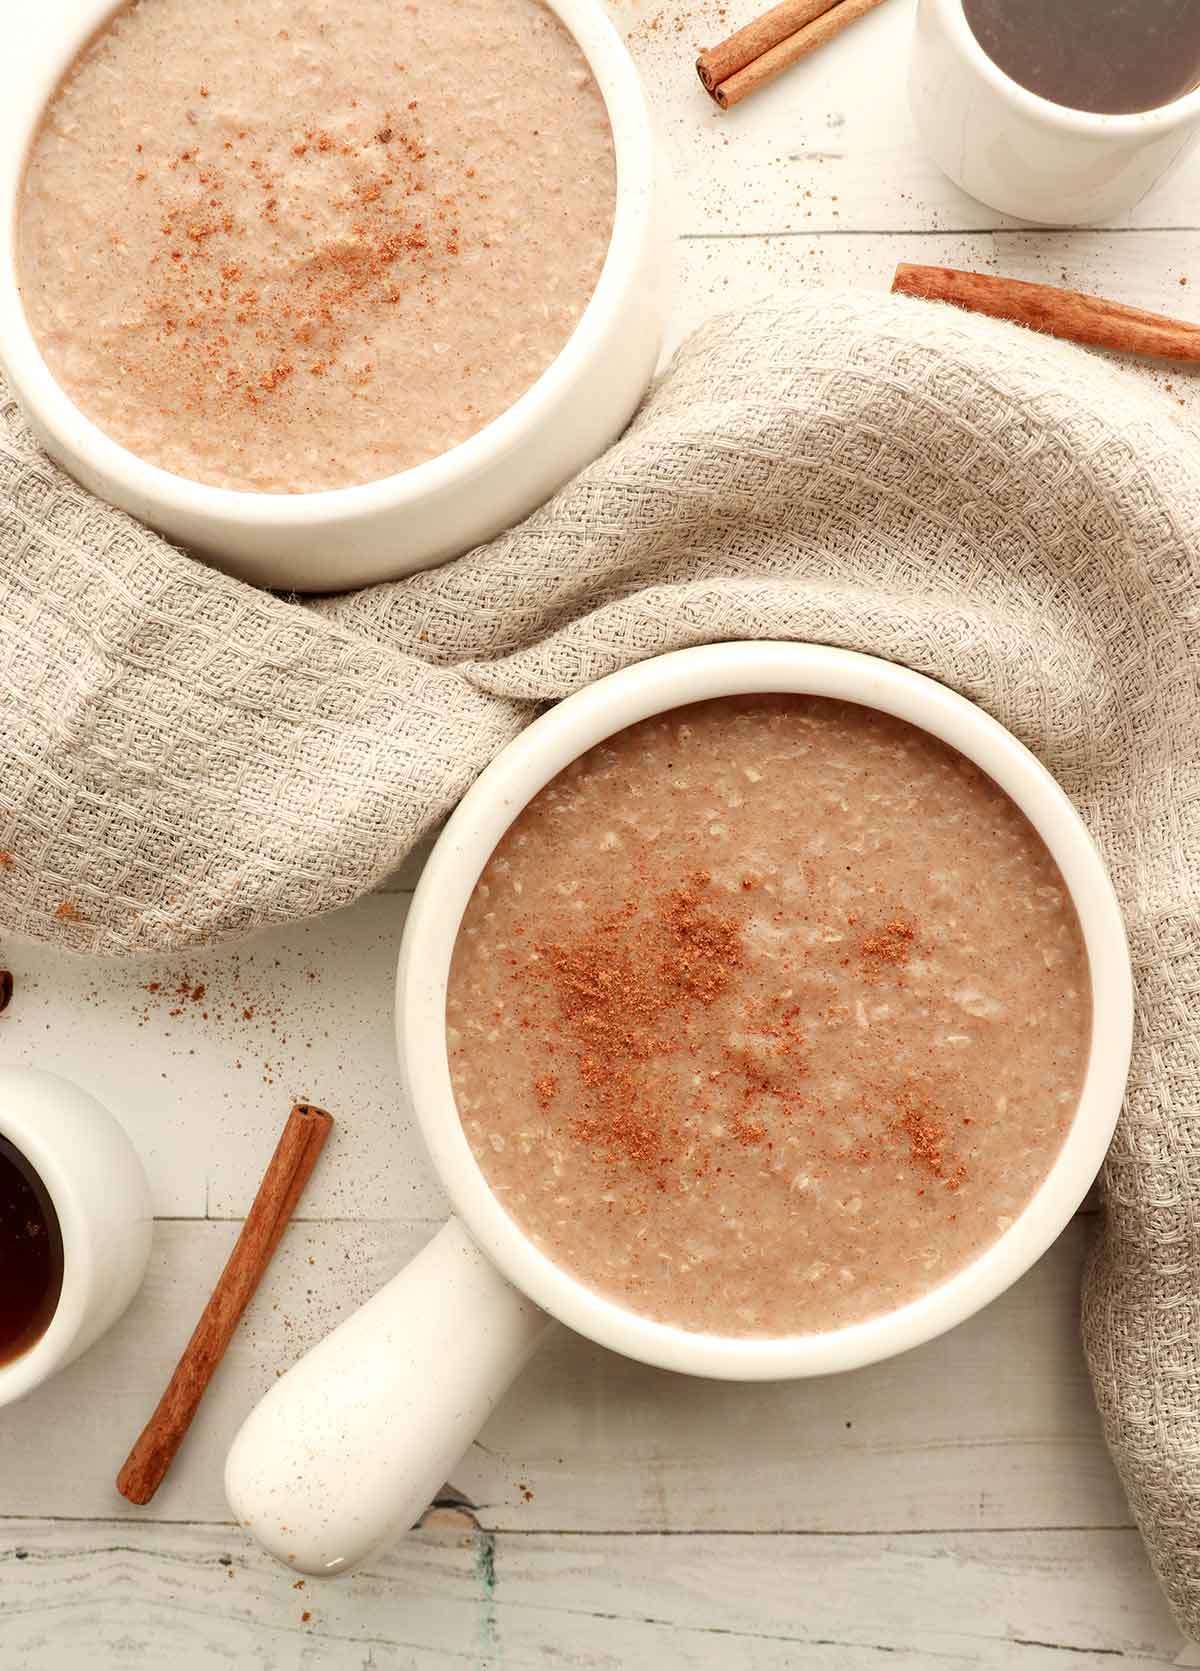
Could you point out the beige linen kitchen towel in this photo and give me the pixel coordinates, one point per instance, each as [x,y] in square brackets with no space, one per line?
[185,758]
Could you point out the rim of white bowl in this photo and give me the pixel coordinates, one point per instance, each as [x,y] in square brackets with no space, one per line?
[21,108]
[39,1361]
[544,749]
[1092,123]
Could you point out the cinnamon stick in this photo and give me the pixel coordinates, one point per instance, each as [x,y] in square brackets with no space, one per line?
[1071,314]
[717,63]
[283,1182]
[812,24]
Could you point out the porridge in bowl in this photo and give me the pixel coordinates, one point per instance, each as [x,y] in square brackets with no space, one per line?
[276,246]
[768,1015]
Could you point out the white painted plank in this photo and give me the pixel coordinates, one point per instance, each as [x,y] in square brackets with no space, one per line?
[841,1604]
[203,1083]
[830,145]
[196,1597]
[991,1426]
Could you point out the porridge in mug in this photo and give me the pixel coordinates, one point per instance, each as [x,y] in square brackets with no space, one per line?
[768,1015]
[283,246]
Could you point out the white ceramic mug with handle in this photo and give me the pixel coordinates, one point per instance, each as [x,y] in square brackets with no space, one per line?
[97,1189]
[353,1442]
[1021,153]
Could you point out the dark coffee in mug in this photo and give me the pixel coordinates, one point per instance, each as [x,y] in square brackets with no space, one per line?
[1108,56]
[31,1255]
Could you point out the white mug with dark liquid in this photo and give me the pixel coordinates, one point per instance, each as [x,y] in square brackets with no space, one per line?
[1026,154]
[75,1225]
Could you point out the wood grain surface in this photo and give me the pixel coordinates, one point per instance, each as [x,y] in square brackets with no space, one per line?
[955,1508]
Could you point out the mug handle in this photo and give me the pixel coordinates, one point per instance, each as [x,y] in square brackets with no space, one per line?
[356,1439]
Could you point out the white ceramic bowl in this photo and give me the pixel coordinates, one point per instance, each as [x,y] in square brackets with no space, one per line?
[96,1183]
[320,1472]
[351,536]
[1024,154]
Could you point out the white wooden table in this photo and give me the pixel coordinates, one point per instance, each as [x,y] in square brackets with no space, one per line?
[955,1508]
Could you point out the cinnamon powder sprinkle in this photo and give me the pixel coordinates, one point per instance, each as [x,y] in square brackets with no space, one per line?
[891,945]
[922,1122]
[703,949]
[627,995]
[240,346]
[622,992]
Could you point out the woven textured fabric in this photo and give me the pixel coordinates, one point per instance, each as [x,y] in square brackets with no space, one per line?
[186,758]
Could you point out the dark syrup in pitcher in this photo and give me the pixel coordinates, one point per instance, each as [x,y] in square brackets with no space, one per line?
[1112,57]
[31,1255]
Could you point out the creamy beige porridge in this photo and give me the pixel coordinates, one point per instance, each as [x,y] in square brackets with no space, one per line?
[768,1015]
[283,246]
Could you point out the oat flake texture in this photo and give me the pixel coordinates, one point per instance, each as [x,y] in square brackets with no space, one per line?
[185,758]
